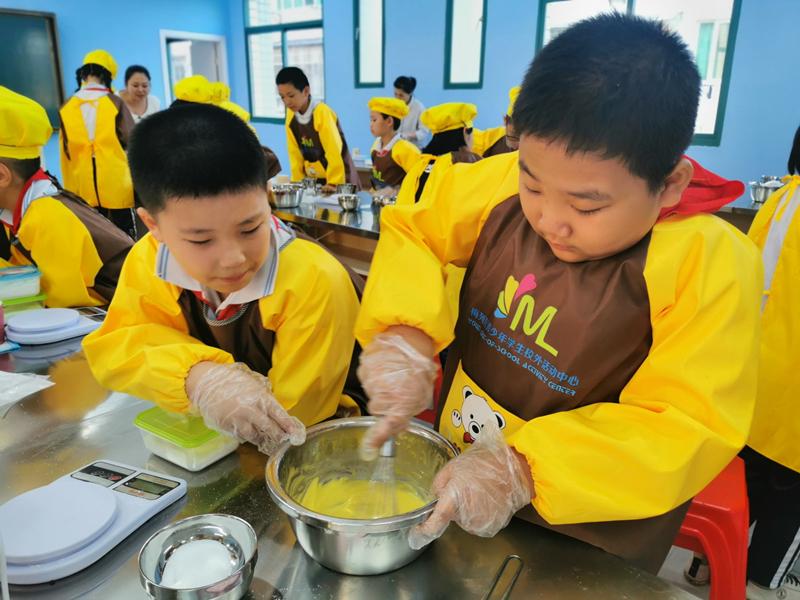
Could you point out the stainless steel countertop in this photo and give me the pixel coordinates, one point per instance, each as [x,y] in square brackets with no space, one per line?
[76,422]
[365,222]
[742,206]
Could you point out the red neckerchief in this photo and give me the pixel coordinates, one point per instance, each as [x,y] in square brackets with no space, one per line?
[92,86]
[707,192]
[38,176]
[231,309]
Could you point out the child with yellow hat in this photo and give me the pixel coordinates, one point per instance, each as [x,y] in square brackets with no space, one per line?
[451,125]
[199,90]
[95,125]
[392,156]
[498,140]
[79,252]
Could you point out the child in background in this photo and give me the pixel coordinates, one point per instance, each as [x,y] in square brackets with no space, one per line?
[95,125]
[317,146]
[79,252]
[451,124]
[222,309]
[498,140]
[392,156]
[604,358]
[411,128]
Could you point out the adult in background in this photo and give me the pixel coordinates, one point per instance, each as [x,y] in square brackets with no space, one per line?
[411,127]
[136,94]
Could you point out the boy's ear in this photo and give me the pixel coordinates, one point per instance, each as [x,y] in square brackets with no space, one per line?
[148,220]
[6,176]
[307,90]
[676,183]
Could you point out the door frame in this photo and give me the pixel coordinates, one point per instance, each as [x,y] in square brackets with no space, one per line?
[169,34]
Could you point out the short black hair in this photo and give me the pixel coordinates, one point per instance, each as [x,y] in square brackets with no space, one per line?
[294,76]
[192,152]
[447,141]
[94,69]
[622,86]
[794,155]
[395,121]
[407,84]
[24,168]
[133,70]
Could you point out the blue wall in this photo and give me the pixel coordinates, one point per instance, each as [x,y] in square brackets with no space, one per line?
[762,111]
[129,31]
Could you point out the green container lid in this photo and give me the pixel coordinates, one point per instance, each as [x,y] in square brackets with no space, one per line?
[186,431]
[25,300]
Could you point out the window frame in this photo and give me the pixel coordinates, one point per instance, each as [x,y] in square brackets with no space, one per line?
[281,28]
[448,42]
[699,139]
[357,52]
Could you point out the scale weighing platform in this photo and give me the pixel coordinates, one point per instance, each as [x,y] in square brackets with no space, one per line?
[61,528]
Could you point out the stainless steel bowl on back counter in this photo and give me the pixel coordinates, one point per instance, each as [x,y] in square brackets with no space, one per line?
[286,195]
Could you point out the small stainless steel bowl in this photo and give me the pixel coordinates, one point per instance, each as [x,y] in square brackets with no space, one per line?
[286,195]
[309,183]
[350,201]
[384,200]
[354,546]
[235,533]
[346,188]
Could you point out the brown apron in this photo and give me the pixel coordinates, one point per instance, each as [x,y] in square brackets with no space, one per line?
[385,170]
[111,242]
[499,147]
[552,345]
[273,163]
[311,147]
[246,339]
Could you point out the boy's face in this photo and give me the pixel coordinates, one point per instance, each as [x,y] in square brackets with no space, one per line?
[378,126]
[221,241]
[585,207]
[293,98]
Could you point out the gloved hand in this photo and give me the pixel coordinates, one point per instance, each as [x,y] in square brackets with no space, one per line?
[399,383]
[238,402]
[480,490]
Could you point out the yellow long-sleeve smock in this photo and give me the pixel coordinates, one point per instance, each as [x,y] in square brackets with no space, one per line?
[485,141]
[776,232]
[317,146]
[145,347]
[682,415]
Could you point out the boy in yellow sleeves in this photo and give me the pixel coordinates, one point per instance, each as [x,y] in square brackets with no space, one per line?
[78,251]
[604,357]
[498,140]
[392,156]
[223,310]
[317,146]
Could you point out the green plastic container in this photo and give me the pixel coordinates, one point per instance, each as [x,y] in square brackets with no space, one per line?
[182,440]
[18,305]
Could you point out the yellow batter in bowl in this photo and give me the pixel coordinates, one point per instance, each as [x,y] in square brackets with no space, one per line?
[347,498]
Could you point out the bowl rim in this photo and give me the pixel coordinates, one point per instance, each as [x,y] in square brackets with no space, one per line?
[295,510]
[149,581]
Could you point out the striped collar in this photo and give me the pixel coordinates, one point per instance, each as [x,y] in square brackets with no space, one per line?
[261,286]
[38,186]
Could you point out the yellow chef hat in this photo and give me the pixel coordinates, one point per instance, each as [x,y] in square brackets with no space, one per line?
[104,59]
[451,115]
[194,89]
[239,112]
[512,97]
[389,106]
[24,126]
[220,93]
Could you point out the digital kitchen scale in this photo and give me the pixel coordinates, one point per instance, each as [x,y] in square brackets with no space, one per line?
[48,325]
[61,528]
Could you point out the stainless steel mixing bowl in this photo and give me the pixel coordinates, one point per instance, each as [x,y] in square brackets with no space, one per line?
[233,532]
[346,188]
[383,200]
[354,546]
[286,195]
[350,201]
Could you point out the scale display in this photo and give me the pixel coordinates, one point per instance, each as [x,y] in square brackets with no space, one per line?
[62,528]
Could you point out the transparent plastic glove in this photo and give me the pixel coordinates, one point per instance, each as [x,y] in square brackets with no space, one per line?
[399,383]
[480,490]
[237,402]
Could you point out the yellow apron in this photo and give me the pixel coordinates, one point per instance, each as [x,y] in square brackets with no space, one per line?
[114,186]
[776,430]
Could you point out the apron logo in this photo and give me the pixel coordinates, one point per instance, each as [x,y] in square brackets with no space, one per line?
[377,174]
[474,414]
[306,142]
[514,290]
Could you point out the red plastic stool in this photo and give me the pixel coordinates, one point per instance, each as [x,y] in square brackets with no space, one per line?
[717,525]
[430,414]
